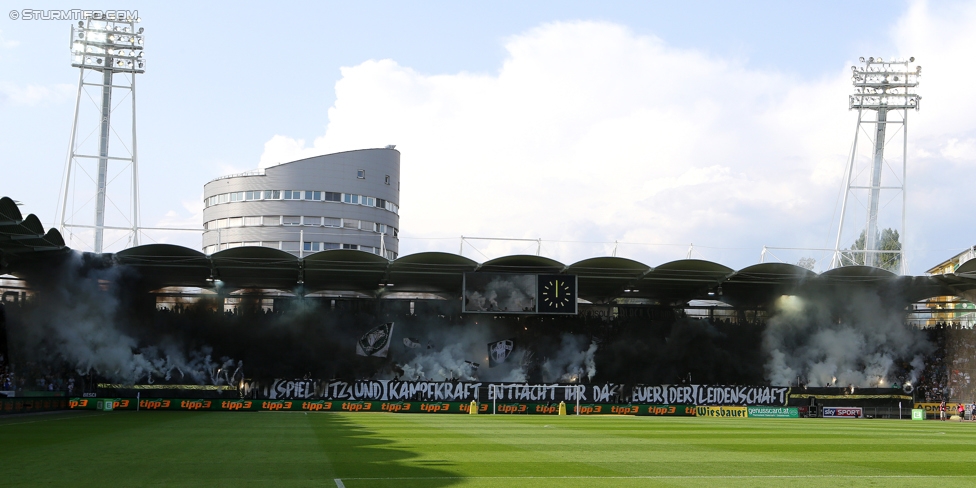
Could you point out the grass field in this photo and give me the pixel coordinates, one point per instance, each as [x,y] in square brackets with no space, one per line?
[381,449]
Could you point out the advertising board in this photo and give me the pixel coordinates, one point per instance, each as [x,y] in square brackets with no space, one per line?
[774,412]
[842,412]
[666,410]
[725,412]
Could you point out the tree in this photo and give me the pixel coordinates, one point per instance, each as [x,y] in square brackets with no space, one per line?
[888,241]
[807,263]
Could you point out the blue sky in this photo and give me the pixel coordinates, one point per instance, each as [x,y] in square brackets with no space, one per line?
[231,86]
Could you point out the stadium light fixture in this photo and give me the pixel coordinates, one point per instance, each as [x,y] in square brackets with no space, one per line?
[106,47]
[886,88]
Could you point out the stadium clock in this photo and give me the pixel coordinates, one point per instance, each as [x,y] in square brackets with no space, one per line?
[557,294]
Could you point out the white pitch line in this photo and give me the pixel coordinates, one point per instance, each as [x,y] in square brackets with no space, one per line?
[339,484]
[663,477]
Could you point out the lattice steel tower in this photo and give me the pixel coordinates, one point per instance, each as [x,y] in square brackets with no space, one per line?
[884,92]
[103,49]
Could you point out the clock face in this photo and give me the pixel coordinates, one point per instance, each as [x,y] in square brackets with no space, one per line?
[557,294]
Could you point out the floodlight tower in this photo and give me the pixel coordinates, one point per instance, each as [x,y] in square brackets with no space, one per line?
[103,48]
[886,89]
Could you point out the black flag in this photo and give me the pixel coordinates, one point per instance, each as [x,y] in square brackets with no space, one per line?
[376,342]
[499,351]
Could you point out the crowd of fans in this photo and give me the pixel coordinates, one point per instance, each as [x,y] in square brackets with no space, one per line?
[949,371]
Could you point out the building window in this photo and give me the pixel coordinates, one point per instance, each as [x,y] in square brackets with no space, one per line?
[332,196]
[350,198]
[272,220]
[292,195]
[331,222]
[271,244]
[368,201]
[350,223]
[312,220]
[312,246]
[252,221]
[291,220]
[235,222]
[220,223]
[354,247]
[223,198]
[361,174]
[290,246]
[272,194]
[387,179]
[252,195]
[253,244]
[330,245]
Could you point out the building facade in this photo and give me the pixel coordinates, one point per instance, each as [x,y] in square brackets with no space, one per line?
[951,309]
[347,200]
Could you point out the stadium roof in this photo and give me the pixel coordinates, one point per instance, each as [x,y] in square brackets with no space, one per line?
[24,238]
[600,279]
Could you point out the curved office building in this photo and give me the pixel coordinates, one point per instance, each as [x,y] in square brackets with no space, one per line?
[346,200]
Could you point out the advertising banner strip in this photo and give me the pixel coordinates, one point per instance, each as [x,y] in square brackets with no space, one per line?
[724,412]
[932,409]
[773,412]
[842,412]
[218,405]
[29,405]
[242,405]
[666,410]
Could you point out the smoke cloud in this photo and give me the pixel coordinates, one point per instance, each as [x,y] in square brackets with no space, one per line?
[78,319]
[855,338]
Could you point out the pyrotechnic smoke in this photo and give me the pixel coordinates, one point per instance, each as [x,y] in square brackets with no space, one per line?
[77,319]
[572,362]
[847,338]
[501,293]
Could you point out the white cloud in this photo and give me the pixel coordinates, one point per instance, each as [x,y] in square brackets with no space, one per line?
[7,44]
[31,95]
[589,132]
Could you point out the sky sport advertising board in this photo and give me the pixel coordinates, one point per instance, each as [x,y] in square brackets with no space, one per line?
[842,412]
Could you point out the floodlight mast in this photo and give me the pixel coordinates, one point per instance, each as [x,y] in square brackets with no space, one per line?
[882,87]
[105,46]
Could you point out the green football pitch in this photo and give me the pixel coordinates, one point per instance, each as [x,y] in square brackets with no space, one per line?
[237,449]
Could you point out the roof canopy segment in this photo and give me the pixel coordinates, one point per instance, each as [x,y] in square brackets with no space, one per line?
[967,268]
[681,280]
[161,265]
[24,239]
[761,283]
[344,270]
[522,263]
[605,278]
[429,272]
[256,267]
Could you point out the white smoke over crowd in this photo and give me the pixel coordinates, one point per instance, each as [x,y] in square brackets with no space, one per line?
[78,321]
[571,364]
[461,353]
[509,293]
[858,339]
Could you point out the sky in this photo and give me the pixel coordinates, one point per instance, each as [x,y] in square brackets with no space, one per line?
[649,130]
